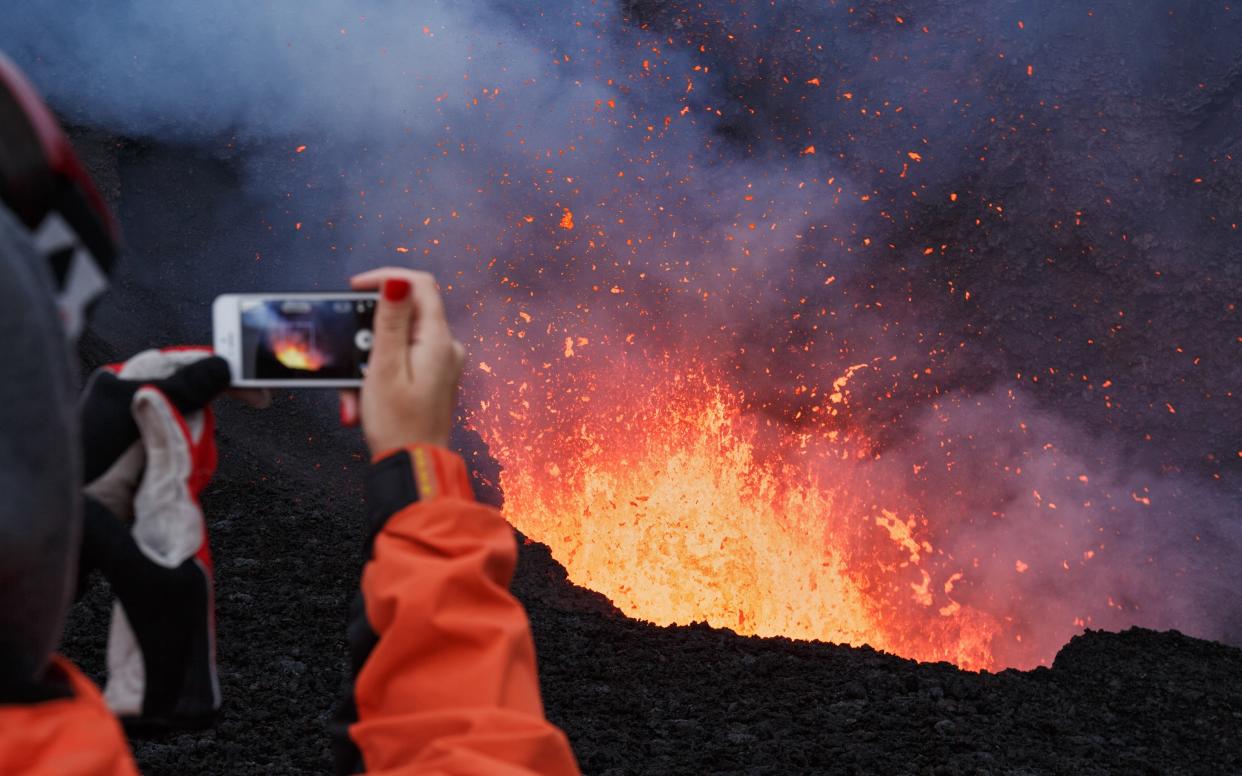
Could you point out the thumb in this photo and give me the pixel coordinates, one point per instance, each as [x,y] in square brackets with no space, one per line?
[393,323]
[193,386]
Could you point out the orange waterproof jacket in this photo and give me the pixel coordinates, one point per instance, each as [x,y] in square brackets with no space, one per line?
[448,683]
[65,736]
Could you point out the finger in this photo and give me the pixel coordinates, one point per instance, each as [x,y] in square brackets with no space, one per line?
[394,314]
[459,358]
[372,279]
[105,386]
[431,321]
[259,398]
[426,292]
[349,408]
[193,386]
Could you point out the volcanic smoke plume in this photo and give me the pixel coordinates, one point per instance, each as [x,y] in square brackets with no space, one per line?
[902,323]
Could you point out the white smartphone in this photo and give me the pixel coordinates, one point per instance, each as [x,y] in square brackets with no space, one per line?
[295,340]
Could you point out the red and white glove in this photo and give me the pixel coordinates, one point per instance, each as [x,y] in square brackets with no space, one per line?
[156,404]
[161,644]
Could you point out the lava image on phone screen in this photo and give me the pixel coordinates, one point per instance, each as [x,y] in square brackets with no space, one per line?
[306,339]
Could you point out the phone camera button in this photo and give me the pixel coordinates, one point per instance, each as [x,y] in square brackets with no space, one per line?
[363,339]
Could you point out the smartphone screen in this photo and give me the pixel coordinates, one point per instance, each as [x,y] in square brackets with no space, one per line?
[305,339]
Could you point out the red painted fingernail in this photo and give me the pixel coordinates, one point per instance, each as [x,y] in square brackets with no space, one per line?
[396,289]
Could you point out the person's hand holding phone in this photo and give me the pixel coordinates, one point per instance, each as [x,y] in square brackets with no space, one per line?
[410,387]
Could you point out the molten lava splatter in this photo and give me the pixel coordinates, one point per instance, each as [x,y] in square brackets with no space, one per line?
[657,488]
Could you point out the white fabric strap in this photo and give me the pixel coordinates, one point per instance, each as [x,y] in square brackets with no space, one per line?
[168,522]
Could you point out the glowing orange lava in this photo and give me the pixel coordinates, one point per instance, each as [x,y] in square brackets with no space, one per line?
[665,495]
[296,353]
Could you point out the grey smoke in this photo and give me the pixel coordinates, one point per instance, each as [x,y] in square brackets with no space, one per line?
[398,155]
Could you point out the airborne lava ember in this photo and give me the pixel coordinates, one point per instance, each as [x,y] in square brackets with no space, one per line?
[737,373]
[912,324]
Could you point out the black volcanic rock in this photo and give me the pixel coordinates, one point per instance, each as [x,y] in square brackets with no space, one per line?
[285,514]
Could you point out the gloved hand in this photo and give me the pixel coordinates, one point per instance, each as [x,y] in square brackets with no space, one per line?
[150,450]
[189,378]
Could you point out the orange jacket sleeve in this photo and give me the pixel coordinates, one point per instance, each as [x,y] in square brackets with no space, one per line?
[73,735]
[449,685]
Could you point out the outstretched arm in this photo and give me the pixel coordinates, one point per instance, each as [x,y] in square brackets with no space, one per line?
[450,683]
[445,676]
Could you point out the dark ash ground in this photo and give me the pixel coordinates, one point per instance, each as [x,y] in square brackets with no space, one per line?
[634,698]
